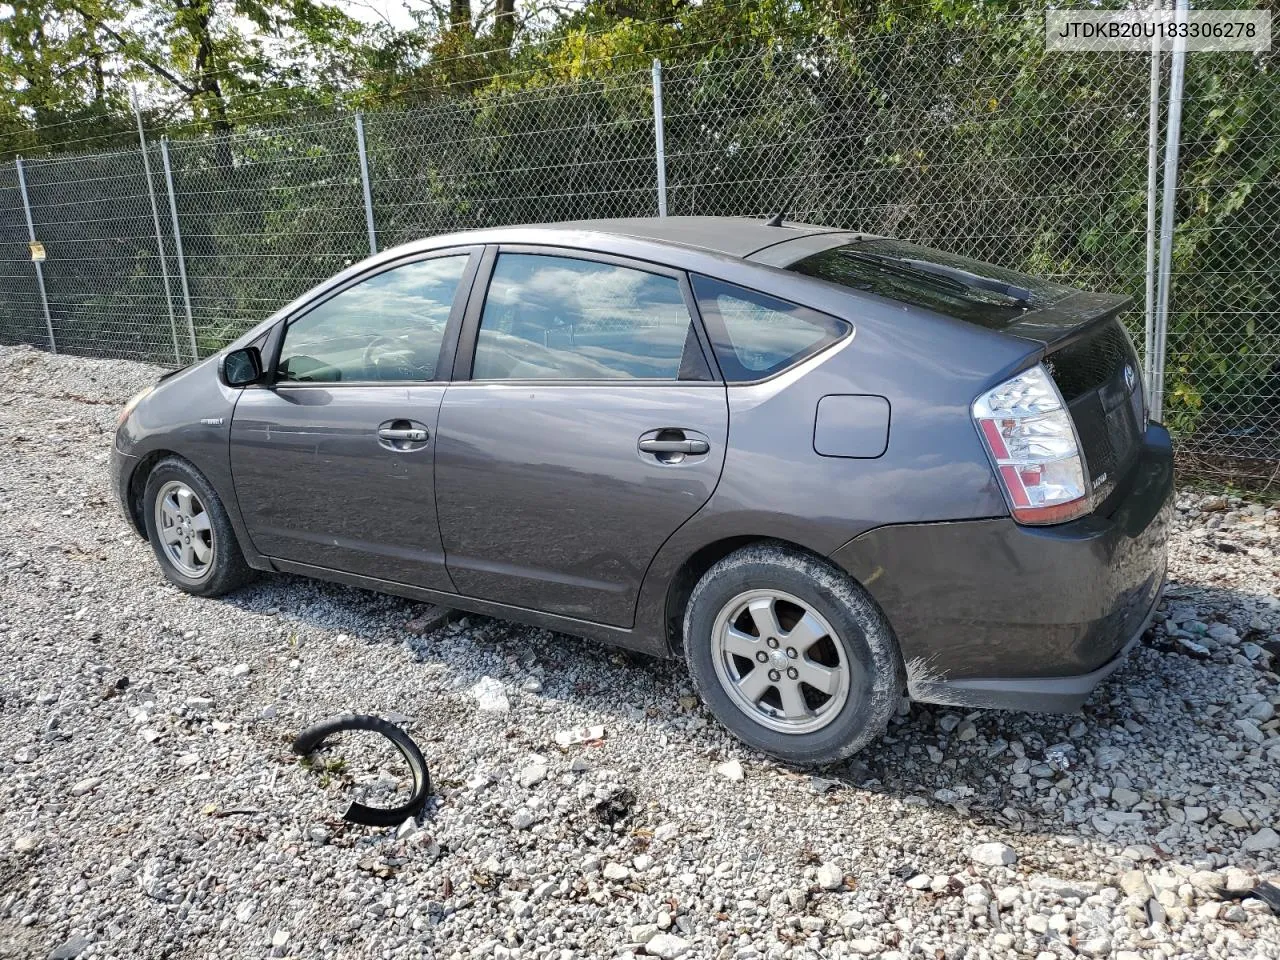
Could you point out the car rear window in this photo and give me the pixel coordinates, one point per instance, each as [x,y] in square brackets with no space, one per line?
[755,335]
[960,287]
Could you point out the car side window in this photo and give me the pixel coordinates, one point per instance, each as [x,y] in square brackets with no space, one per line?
[548,317]
[755,335]
[388,328]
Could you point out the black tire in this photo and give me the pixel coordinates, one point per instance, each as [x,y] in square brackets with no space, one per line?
[859,631]
[226,570]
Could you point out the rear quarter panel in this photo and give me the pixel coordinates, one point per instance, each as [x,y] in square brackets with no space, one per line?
[934,468]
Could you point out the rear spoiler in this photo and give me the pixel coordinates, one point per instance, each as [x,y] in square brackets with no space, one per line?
[1068,319]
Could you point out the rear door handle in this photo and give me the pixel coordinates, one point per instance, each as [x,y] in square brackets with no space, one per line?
[674,446]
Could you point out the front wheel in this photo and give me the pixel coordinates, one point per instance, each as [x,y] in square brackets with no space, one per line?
[792,655]
[190,531]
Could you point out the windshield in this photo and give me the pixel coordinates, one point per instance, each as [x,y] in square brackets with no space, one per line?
[969,290]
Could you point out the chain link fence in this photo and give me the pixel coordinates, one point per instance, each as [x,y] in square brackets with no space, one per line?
[1222,368]
[932,140]
[972,140]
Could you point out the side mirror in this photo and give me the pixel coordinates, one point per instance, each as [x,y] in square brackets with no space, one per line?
[242,367]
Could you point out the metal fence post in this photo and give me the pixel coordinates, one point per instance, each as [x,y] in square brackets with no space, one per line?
[1153,174]
[31,232]
[364,180]
[659,143]
[1165,269]
[177,244]
[155,219]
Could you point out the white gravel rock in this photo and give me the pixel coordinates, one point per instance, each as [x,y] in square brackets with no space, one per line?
[615,872]
[1125,798]
[831,876]
[643,932]
[731,770]
[866,947]
[667,945]
[490,696]
[1265,839]
[994,855]
[99,657]
[532,775]
[87,785]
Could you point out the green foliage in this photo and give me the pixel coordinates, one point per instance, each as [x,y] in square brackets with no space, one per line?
[1225,326]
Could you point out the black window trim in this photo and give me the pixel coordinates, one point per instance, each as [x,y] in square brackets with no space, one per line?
[464,358]
[444,361]
[715,326]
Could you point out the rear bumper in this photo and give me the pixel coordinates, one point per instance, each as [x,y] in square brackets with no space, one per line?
[1032,694]
[989,613]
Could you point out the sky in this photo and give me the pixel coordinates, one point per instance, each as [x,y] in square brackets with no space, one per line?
[395,12]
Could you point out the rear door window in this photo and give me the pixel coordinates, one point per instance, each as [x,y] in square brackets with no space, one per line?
[959,287]
[560,318]
[755,335]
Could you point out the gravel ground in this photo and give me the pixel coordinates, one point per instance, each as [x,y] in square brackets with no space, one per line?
[150,806]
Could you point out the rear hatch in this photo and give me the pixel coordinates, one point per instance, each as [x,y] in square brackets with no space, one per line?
[1087,350]
[1095,368]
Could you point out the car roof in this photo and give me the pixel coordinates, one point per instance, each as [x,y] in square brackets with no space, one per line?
[729,236]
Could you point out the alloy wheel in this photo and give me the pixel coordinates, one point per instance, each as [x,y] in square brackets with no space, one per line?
[184,528]
[781,662]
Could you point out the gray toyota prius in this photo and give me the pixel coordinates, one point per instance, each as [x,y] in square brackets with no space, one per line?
[825,468]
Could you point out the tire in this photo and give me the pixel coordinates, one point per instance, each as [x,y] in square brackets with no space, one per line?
[854,662]
[199,552]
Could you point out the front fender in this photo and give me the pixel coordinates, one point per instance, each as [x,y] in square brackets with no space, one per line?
[188,414]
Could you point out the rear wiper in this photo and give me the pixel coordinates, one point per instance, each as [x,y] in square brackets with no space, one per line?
[959,279]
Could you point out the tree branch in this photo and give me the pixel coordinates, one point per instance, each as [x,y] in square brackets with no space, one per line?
[127,50]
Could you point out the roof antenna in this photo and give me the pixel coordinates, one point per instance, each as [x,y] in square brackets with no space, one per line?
[776,219]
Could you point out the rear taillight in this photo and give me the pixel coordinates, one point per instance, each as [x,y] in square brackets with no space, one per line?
[1033,445]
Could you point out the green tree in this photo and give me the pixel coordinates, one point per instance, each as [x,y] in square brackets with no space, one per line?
[56,74]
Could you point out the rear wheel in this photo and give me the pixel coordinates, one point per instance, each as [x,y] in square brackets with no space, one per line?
[792,655]
[190,531]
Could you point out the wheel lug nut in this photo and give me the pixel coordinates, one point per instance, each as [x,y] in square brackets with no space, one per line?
[791,652]
[793,673]
[773,643]
[775,676]
[762,656]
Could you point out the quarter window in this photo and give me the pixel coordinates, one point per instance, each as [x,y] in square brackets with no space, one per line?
[558,318]
[387,328]
[755,335]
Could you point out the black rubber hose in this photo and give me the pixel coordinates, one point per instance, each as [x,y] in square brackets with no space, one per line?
[1268,893]
[313,736]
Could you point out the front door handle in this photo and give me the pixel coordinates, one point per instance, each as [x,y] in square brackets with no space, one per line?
[412,434]
[402,436]
[674,446]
